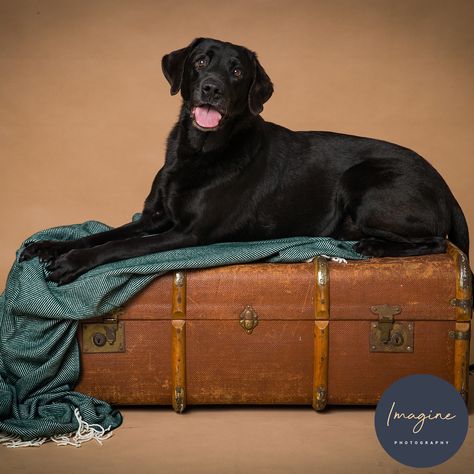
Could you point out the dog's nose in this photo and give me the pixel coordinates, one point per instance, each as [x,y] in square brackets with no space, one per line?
[211,89]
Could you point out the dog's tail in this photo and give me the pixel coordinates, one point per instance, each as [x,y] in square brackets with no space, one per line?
[459,232]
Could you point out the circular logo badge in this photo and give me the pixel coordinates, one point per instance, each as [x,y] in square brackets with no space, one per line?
[421,420]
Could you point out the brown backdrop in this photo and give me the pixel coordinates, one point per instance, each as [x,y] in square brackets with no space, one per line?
[84,113]
[84,109]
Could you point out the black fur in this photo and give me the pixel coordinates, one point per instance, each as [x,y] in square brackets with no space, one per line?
[248,179]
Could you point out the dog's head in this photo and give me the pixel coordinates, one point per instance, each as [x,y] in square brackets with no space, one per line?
[217,80]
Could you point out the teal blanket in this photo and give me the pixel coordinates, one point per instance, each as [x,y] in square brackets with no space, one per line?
[39,355]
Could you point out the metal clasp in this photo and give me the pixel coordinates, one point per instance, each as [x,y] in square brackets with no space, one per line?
[248,319]
[386,313]
[386,335]
[105,336]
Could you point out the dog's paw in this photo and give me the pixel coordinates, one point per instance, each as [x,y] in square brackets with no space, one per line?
[45,250]
[67,267]
[370,247]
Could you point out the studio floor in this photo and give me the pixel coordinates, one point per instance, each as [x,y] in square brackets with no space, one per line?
[257,440]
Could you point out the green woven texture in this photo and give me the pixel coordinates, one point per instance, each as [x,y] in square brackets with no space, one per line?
[39,354]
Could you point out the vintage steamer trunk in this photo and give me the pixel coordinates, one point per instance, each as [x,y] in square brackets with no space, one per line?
[310,333]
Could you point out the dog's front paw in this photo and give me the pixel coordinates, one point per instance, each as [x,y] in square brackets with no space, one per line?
[45,250]
[68,266]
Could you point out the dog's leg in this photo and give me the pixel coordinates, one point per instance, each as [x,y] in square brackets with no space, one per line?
[48,250]
[374,247]
[68,266]
[391,210]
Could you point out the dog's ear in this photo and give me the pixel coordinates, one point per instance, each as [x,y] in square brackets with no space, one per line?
[172,65]
[261,89]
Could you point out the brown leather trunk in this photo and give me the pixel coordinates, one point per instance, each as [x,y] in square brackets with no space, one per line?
[308,333]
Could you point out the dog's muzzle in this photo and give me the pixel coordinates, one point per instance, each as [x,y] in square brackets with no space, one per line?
[208,112]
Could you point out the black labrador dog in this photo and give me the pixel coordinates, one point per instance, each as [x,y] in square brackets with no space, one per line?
[231,176]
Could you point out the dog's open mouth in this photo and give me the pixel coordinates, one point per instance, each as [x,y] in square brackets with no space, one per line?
[206,117]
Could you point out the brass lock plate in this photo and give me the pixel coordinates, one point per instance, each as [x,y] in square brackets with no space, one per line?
[103,337]
[400,337]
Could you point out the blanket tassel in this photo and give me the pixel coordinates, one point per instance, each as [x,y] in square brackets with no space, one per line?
[85,432]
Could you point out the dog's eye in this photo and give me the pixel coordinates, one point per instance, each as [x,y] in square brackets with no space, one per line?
[237,72]
[201,63]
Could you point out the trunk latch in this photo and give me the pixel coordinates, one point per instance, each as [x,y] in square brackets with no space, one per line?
[388,335]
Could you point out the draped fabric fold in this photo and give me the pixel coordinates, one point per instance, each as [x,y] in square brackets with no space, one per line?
[39,354]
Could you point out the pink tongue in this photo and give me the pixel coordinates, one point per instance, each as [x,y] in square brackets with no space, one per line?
[207,117]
